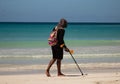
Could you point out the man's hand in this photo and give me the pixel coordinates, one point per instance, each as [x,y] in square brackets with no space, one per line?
[67,50]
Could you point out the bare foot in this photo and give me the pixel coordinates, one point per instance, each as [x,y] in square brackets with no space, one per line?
[47,73]
[60,74]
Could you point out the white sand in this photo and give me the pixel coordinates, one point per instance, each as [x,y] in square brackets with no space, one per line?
[95,78]
[102,73]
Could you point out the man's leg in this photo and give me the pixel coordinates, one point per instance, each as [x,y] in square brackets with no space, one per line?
[59,67]
[49,66]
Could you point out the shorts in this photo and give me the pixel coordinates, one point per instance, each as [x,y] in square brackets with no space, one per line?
[57,52]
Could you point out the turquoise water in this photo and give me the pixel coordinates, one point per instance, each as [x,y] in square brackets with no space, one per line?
[26,43]
[36,34]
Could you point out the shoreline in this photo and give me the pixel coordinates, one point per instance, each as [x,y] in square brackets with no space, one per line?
[66,68]
[97,73]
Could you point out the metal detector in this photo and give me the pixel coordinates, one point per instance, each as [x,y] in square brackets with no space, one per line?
[76,63]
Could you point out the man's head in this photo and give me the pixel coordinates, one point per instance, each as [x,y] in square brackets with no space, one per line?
[63,23]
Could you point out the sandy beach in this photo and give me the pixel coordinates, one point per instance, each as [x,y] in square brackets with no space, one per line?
[95,78]
[105,73]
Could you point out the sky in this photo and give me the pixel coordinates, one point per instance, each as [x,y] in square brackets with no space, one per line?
[53,10]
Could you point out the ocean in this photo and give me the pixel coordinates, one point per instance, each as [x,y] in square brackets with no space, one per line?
[27,43]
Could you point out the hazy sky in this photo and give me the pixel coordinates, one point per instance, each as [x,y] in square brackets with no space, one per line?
[53,10]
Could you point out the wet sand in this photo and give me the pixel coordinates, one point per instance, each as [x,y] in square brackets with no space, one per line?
[104,73]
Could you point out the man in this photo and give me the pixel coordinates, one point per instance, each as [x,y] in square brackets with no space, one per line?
[57,50]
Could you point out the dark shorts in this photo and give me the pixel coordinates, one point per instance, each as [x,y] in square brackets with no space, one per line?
[57,52]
